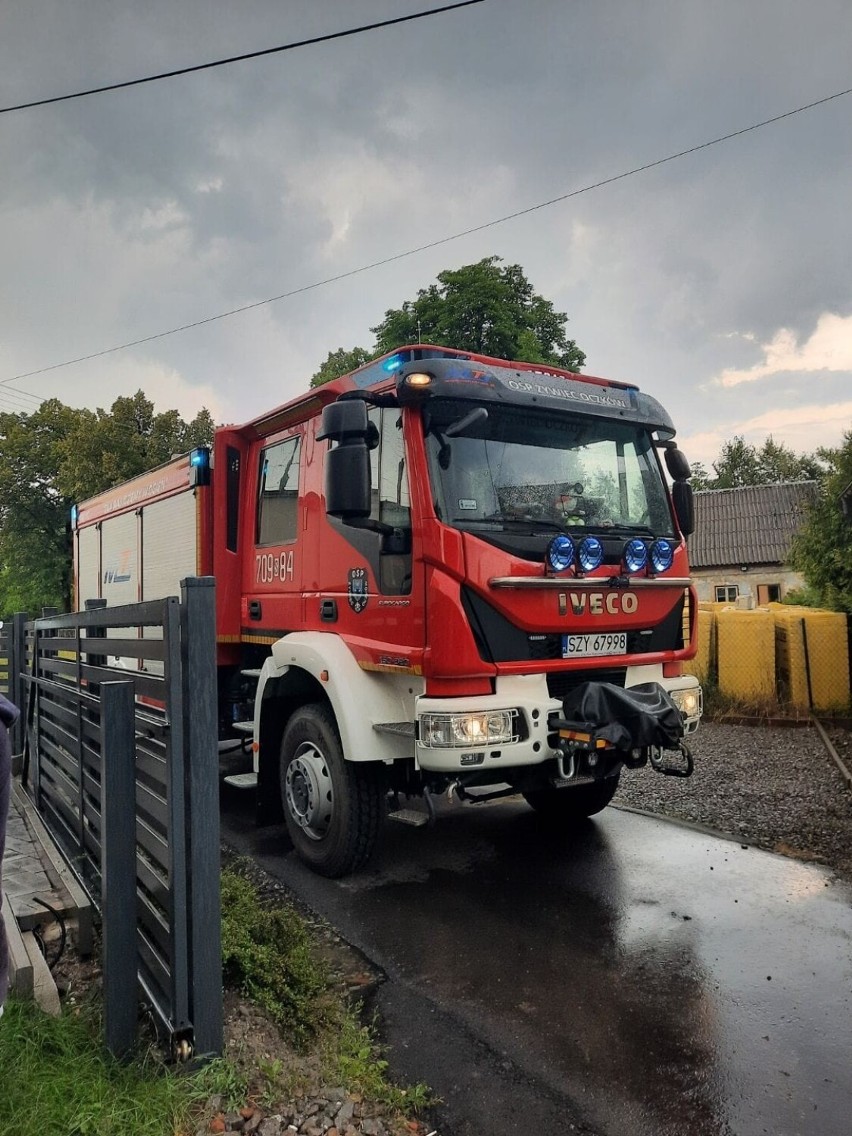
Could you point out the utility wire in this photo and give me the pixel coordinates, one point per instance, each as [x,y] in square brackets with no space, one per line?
[437,243]
[241,58]
[10,403]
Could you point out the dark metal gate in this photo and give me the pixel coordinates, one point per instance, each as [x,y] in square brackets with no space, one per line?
[122,761]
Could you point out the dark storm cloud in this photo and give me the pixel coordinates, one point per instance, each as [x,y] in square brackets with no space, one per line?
[133,212]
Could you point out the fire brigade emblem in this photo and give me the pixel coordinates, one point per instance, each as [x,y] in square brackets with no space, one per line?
[358,589]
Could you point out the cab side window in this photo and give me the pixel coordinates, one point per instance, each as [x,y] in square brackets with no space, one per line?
[278,497]
[391,504]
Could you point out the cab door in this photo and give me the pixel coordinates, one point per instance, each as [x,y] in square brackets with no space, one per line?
[272,591]
[373,574]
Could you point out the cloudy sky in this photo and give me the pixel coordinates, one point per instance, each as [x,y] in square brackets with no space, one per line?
[720,282]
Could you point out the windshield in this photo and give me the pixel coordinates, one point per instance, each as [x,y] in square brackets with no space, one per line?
[514,466]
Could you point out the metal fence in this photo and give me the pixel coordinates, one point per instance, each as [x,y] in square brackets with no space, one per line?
[121,759]
[12,661]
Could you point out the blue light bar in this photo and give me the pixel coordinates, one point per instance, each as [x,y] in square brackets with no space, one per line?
[590,554]
[560,553]
[662,555]
[635,555]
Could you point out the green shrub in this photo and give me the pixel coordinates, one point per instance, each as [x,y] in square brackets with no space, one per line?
[267,954]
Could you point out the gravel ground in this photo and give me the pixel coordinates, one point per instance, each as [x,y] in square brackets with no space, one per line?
[776,788]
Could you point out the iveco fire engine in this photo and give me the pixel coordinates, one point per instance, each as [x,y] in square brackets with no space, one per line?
[440,574]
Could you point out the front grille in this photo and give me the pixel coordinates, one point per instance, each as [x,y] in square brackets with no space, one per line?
[561,683]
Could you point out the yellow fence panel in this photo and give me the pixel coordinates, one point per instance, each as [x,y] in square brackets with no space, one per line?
[702,665]
[828,659]
[745,650]
[790,660]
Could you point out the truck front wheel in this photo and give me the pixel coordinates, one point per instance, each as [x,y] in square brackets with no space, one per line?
[573,804]
[333,808]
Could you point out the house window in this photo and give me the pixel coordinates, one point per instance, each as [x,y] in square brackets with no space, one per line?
[727,593]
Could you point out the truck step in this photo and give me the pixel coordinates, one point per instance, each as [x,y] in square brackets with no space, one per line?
[409,816]
[243,727]
[242,780]
[251,672]
[401,729]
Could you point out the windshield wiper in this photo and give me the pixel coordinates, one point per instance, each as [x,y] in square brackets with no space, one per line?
[621,530]
[501,519]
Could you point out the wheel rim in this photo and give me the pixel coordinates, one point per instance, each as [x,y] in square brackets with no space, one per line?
[308,791]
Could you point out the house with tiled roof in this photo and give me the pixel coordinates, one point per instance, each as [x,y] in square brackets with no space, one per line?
[742,540]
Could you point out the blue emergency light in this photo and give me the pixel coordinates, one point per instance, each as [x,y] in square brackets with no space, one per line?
[199,466]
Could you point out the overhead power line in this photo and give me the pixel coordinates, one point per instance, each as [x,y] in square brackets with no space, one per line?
[436,243]
[241,58]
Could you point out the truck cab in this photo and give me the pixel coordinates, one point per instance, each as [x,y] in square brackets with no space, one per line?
[468,576]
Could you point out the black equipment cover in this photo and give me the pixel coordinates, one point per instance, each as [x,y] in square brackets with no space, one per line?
[631,718]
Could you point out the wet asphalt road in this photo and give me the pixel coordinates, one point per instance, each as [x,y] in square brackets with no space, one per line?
[634,978]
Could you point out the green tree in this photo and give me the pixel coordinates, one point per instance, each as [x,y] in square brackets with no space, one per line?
[779,463]
[700,478]
[59,455]
[486,308]
[738,464]
[822,552]
[34,513]
[741,463]
[109,447]
[341,362]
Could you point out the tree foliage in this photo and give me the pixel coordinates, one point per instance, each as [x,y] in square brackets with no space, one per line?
[33,510]
[341,362]
[822,552]
[58,455]
[487,308]
[741,463]
[125,441]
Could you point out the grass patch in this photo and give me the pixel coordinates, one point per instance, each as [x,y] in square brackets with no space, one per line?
[353,1059]
[57,1079]
[722,707]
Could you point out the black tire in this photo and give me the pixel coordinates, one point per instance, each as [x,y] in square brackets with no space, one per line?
[333,808]
[573,804]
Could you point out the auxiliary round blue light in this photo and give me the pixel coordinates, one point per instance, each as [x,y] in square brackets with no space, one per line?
[662,555]
[560,553]
[590,554]
[635,555]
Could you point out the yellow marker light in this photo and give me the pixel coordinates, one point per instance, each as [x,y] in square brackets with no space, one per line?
[418,379]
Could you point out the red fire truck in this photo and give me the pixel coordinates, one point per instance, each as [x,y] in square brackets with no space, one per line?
[442,573]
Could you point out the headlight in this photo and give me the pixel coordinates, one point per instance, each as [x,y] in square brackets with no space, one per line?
[447,731]
[688,701]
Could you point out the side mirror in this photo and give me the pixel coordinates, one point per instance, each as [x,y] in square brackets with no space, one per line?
[347,466]
[676,464]
[684,505]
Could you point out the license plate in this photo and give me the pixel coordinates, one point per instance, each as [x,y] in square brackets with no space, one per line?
[604,643]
